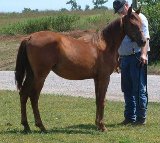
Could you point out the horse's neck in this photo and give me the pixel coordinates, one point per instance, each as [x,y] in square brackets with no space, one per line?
[114,35]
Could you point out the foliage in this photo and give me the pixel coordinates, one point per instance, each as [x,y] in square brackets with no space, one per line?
[98,3]
[62,22]
[154,68]
[86,7]
[150,2]
[26,23]
[63,10]
[74,5]
[71,120]
[27,10]
[152,11]
[96,21]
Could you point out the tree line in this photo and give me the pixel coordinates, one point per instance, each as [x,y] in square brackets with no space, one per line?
[98,4]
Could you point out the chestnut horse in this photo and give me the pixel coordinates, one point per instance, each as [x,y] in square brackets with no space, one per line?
[74,59]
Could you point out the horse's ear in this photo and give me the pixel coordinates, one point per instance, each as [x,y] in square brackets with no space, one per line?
[138,10]
[130,10]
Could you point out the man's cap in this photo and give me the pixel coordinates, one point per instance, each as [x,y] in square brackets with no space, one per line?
[118,5]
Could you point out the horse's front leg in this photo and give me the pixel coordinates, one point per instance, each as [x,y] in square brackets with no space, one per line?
[101,86]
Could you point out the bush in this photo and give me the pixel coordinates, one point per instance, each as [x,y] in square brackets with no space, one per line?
[96,21]
[64,22]
[35,25]
[152,12]
[57,23]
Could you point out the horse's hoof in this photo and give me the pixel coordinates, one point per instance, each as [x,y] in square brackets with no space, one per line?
[26,131]
[44,131]
[102,129]
[41,127]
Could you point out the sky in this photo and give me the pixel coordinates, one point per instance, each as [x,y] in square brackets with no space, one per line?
[19,5]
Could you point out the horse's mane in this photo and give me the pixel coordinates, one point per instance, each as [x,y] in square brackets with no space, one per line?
[107,31]
[95,39]
[99,39]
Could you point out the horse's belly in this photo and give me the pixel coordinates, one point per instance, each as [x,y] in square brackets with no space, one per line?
[76,65]
[74,73]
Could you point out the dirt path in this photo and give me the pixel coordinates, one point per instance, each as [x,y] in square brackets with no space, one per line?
[85,88]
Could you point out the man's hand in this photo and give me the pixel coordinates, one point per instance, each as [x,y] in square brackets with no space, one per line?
[144,50]
[143,59]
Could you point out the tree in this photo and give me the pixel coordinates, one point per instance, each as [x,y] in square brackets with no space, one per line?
[73,3]
[86,7]
[79,7]
[26,10]
[134,2]
[152,12]
[98,3]
[63,9]
[148,1]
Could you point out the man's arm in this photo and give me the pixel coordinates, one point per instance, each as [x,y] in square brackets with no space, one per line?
[145,31]
[144,51]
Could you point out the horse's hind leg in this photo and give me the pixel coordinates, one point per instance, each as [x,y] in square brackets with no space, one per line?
[36,89]
[24,93]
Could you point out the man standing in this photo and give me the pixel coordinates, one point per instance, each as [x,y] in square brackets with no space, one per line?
[133,64]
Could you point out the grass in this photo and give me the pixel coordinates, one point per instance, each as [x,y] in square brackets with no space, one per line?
[26,23]
[154,68]
[58,23]
[71,120]
[8,49]
[11,18]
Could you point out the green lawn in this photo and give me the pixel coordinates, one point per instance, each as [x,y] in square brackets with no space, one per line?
[71,120]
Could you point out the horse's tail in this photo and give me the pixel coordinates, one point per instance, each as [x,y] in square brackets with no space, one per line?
[22,64]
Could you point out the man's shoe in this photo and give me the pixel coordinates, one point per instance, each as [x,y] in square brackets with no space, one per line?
[141,122]
[126,122]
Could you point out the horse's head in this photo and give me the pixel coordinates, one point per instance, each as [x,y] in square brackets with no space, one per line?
[132,27]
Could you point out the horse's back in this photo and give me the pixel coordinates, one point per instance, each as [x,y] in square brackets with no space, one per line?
[43,38]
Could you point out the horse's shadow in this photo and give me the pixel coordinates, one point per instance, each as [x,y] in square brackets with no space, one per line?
[74,129]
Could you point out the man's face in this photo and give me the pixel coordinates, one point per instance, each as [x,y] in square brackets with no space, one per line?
[124,11]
